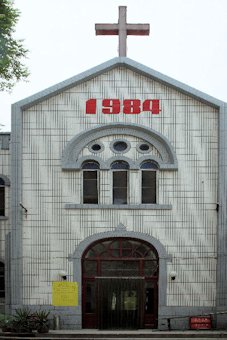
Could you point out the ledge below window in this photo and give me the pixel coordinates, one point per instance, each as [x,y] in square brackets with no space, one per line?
[3,218]
[120,206]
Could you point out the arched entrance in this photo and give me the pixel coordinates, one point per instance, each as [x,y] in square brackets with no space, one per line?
[120,284]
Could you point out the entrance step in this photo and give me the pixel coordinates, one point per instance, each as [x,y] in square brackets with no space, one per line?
[60,338]
[110,335]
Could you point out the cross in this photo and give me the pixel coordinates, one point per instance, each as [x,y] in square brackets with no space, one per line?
[122,29]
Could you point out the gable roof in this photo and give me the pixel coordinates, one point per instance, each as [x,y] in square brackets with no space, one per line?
[109,65]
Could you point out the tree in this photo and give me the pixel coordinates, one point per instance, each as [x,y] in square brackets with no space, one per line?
[12,51]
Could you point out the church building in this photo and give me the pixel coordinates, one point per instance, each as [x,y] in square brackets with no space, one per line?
[113,190]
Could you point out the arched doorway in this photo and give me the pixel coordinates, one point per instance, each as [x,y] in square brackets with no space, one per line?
[120,284]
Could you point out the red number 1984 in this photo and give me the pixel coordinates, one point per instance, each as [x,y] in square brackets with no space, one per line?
[128,106]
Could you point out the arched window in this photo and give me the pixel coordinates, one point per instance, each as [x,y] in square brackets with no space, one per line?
[90,182]
[2,197]
[148,188]
[120,182]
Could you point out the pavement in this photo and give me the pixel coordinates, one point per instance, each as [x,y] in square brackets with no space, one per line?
[92,334]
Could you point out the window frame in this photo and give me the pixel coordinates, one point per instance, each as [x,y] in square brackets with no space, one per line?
[115,170]
[95,170]
[126,188]
[143,171]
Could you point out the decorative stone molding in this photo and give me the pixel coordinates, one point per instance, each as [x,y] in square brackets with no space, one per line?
[120,227]
[131,163]
[119,206]
[95,158]
[70,158]
[164,257]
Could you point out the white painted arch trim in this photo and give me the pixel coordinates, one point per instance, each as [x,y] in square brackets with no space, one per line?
[119,231]
[71,160]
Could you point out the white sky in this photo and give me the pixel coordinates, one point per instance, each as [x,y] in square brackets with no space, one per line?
[188,42]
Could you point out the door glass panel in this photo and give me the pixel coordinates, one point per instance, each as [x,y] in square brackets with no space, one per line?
[126,252]
[120,284]
[142,249]
[151,255]
[90,268]
[115,245]
[119,303]
[90,297]
[115,252]
[115,249]
[99,248]
[126,244]
[150,268]
[119,268]
[149,298]
[129,298]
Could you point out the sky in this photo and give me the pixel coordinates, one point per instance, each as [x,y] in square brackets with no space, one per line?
[187,41]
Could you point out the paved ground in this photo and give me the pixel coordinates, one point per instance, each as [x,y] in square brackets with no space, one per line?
[120,335]
[140,333]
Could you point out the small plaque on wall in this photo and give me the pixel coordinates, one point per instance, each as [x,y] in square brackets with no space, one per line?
[65,294]
[200,322]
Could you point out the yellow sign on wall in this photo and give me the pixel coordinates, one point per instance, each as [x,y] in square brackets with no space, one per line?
[65,293]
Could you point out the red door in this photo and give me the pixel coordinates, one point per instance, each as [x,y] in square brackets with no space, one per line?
[120,278]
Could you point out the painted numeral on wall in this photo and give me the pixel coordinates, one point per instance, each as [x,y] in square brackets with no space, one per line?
[111,106]
[91,106]
[152,106]
[129,106]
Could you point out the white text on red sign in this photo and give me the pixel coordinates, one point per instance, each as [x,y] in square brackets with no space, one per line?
[126,106]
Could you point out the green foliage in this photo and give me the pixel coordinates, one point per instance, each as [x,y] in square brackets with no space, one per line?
[23,321]
[6,323]
[41,321]
[11,50]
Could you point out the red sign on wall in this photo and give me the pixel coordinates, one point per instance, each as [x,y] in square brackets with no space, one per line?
[127,106]
[200,322]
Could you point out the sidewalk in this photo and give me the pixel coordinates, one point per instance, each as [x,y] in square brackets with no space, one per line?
[90,334]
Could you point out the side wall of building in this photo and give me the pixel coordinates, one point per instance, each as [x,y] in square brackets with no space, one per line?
[5,175]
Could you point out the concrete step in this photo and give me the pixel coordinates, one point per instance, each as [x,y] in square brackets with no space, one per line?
[119,335]
[91,338]
[44,338]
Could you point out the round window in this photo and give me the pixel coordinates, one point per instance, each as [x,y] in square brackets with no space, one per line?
[144,147]
[96,147]
[120,146]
